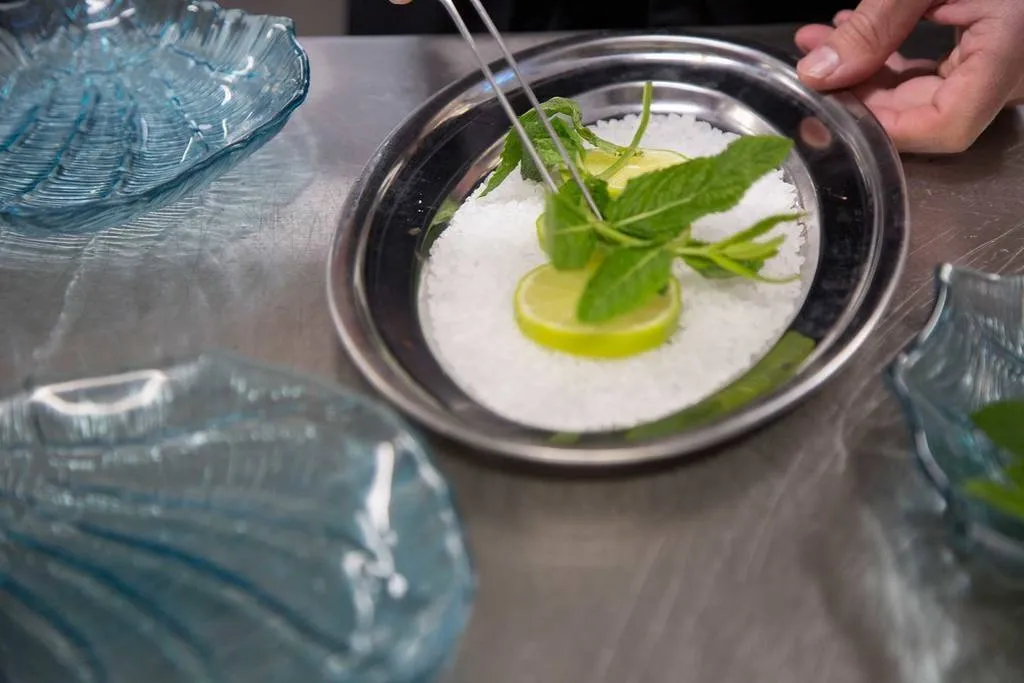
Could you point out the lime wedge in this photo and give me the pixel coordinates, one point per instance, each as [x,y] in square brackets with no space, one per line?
[545,310]
[596,161]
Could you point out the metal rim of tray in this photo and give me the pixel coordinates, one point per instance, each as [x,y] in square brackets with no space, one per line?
[379,360]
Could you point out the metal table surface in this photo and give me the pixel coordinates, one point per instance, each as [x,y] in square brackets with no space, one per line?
[804,553]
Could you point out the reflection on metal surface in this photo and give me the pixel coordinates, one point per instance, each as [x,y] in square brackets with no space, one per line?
[771,372]
[187,264]
[814,133]
[853,191]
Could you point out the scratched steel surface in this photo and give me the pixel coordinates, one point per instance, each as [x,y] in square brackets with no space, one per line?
[807,553]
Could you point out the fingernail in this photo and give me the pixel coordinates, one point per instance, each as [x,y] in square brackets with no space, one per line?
[820,62]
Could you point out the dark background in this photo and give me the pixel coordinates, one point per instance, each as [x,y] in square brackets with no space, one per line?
[337,17]
[428,16]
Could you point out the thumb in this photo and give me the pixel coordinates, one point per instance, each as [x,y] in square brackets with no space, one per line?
[861,43]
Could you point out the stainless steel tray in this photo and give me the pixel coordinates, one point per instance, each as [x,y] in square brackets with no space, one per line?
[848,175]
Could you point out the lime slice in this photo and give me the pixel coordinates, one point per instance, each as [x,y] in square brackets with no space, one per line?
[545,309]
[596,161]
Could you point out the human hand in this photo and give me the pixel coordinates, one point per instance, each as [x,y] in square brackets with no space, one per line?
[925,106]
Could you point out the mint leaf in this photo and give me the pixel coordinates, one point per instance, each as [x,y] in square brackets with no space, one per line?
[567,121]
[1015,473]
[1008,500]
[759,229]
[511,155]
[661,204]
[1003,423]
[569,228]
[752,251]
[738,255]
[707,268]
[598,191]
[571,110]
[547,151]
[625,280]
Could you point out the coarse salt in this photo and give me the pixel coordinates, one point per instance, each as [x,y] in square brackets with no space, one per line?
[466,305]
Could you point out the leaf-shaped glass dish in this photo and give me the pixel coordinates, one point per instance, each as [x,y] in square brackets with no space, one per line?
[113,108]
[220,520]
[969,354]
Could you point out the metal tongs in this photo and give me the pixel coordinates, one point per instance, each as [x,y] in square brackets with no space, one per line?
[509,111]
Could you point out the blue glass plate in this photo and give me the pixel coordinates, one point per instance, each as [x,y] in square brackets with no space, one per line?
[112,108]
[222,521]
[969,354]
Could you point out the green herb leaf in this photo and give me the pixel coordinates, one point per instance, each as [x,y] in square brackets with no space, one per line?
[567,121]
[753,251]
[661,204]
[735,267]
[569,227]
[598,192]
[1003,423]
[547,151]
[738,255]
[511,155]
[625,280]
[1015,473]
[759,229]
[569,109]
[1009,500]
[707,268]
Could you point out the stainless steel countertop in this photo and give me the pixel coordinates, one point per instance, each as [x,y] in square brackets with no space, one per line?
[803,554]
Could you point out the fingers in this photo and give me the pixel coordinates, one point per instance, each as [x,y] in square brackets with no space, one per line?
[861,43]
[810,37]
[400,2]
[896,66]
[963,105]
[950,63]
[842,16]
[813,35]
[960,13]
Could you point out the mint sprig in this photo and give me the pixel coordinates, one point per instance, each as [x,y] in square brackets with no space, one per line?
[567,121]
[739,255]
[648,226]
[660,204]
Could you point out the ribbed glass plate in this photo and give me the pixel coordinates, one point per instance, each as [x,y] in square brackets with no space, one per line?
[221,521]
[969,354]
[112,108]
